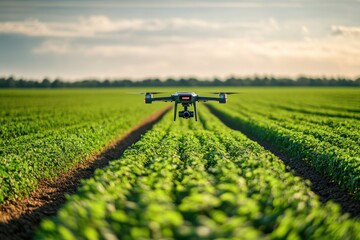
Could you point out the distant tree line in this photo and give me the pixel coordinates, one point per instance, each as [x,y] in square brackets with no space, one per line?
[11,82]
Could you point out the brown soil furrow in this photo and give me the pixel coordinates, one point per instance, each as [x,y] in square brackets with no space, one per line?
[19,218]
[322,185]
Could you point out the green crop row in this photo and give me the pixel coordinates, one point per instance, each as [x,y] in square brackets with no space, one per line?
[188,180]
[321,128]
[45,133]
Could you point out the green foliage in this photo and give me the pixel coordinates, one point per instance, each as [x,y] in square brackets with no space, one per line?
[320,126]
[45,133]
[188,180]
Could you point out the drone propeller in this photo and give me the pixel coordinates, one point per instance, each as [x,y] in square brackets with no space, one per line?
[148,92]
[225,93]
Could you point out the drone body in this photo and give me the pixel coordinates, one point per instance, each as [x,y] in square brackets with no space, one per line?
[186,99]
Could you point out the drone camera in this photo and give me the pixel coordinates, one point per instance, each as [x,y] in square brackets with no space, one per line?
[186,114]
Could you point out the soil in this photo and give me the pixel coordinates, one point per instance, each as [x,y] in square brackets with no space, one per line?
[20,218]
[322,185]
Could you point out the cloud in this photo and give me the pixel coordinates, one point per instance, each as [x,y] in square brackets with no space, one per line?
[61,47]
[32,27]
[325,51]
[218,56]
[93,25]
[99,25]
[151,4]
[178,46]
[66,47]
[345,31]
[208,46]
[304,30]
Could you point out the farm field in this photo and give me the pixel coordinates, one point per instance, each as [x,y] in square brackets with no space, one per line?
[197,181]
[47,132]
[319,126]
[186,179]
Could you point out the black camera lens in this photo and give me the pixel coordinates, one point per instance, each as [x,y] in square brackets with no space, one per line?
[187,114]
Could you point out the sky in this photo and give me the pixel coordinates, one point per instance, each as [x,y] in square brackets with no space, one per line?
[138,39]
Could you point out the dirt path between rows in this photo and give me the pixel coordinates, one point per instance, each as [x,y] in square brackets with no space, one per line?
[20,218]
[322,185]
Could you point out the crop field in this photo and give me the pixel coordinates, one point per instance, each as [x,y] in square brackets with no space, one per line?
[44,133]
[187,179]
[320,126]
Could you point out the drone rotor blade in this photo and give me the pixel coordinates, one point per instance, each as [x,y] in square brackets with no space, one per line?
[153,93]
[225,93]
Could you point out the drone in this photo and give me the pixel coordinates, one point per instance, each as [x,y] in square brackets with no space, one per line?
[186,99]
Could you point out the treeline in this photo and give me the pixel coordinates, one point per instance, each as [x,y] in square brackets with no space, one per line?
[11,82]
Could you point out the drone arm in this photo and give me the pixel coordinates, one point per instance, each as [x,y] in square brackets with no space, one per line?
[163,99]
[205,99]
[196,117]
[175,111]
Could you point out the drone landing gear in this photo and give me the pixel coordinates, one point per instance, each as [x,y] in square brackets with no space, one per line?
[186,113]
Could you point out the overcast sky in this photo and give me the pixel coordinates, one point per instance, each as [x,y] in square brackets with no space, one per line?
[137,39]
